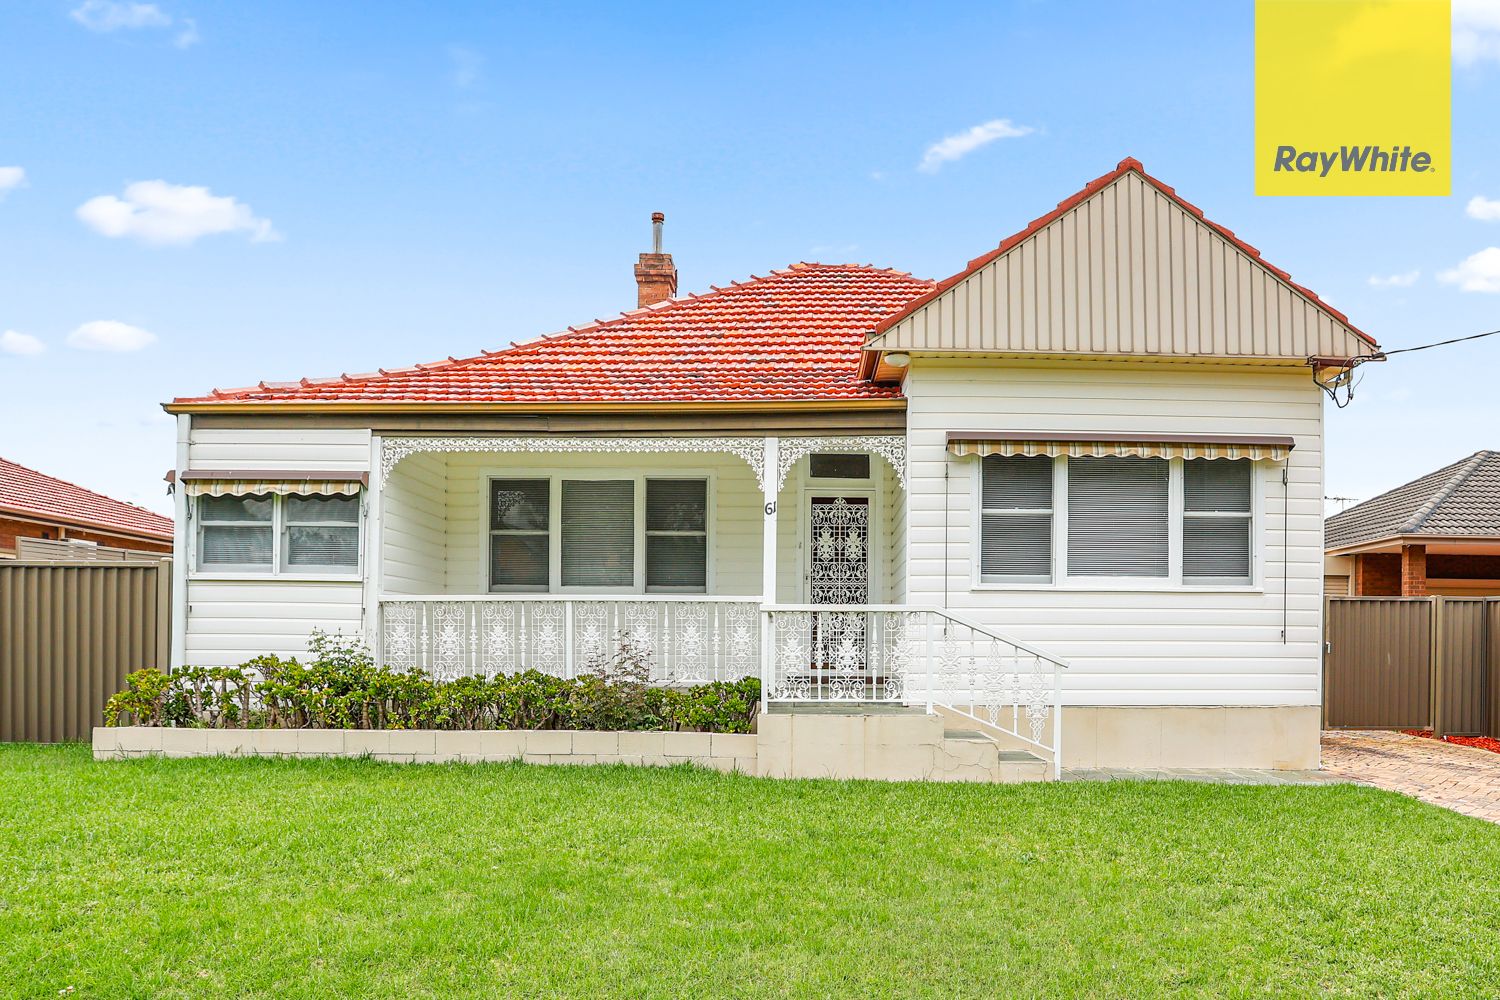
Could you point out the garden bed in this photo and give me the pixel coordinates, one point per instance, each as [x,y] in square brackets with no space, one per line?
[1478,742]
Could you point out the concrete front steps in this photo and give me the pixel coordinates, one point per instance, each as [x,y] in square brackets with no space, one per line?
[969,755]
[885,743]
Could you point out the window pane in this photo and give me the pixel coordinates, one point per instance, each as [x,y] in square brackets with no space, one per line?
[518,561]
[839,466]
[340,509]
[226,545]
[1117,517]
[676,504]
[1016,545]
[677,561]
[331,545]
[598,533]
[1216,548]
[1219,484]
[249,508]
[519,504]
[1018,481]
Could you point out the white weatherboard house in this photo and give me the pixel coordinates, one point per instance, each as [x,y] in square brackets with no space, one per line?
[1080,480]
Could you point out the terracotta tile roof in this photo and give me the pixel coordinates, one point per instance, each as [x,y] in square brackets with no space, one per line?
[29,493]
[792,335]
[1089,190]
[1459,500]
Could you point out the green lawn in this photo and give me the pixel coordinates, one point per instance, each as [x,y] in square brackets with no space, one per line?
[259,878]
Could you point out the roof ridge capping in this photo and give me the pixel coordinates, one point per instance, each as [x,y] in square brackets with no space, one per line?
[1125,166]
[1465,472]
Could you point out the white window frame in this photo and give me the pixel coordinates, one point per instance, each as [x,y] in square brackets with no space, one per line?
[277,569]
[981,511]
[490,531]
[1173,582]
[647,534]
[1213,515]
[554,528]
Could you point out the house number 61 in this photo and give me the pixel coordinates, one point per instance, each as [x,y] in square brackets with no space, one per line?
[770,508]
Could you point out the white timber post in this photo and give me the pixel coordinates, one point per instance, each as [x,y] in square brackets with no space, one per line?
[181,532]
[770,489]
[373,546]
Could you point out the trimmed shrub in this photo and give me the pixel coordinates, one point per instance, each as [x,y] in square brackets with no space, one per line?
[342,688]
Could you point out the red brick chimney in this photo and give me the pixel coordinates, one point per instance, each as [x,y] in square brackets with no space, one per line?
[655,275]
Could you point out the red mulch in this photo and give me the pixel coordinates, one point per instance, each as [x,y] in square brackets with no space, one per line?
[1482,742]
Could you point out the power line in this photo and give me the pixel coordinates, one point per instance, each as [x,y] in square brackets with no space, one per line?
[1440,343]
[1345,380]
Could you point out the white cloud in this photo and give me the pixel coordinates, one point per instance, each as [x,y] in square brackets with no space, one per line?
[465,67]
[1483,209]
[11,178]
[112,15]
[23,344]
[160,214]
[1479,272]
[110,335]
[1476,31]
[961,144]
[188,35]
[1403,280]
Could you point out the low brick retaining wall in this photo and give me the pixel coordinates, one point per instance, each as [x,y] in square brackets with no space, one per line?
[721,751]
[904,747]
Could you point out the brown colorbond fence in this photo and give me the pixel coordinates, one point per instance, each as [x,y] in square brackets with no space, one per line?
[69,633]
[1413,663]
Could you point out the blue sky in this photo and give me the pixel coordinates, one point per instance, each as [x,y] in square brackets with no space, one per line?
[413,181]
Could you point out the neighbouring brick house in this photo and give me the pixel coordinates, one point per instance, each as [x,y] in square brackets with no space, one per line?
[1439,534]
[35,505]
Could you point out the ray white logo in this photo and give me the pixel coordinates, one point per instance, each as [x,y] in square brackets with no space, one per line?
[1352,160]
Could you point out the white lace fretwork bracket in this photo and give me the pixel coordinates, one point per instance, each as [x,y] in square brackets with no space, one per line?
[752,450]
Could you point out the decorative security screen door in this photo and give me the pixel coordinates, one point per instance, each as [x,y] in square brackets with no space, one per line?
[839,544]
[839,573]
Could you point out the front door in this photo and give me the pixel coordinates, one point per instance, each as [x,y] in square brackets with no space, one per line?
[838,574]
[838,550]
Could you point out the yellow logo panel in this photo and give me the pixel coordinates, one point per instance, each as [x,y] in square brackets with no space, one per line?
[1352,97]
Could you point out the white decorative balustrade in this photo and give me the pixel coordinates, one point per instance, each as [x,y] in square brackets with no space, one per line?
[684,639]
[915,655]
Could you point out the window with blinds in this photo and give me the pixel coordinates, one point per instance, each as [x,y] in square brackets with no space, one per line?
[236,533]
[677,535]
[320,533]
[520,530]
[598,533]
[1016,519]
[264,533]
[1216,516]
[1118,517]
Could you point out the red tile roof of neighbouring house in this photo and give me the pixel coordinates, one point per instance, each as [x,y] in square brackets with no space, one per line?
[793,335]
[28,493]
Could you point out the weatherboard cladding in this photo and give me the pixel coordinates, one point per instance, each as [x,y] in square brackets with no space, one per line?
[1124,269]
[1462,499]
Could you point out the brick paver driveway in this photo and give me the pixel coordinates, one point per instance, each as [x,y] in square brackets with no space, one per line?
[1460,778]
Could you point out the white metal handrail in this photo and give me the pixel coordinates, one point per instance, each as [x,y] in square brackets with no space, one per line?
[913,654]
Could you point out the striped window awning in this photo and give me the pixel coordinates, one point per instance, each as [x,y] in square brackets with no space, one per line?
[292,482]
[1073,444]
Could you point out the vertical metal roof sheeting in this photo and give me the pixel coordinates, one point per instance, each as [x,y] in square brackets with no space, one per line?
[1126,272]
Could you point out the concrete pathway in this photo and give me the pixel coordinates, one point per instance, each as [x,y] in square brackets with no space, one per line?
[1464,779]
